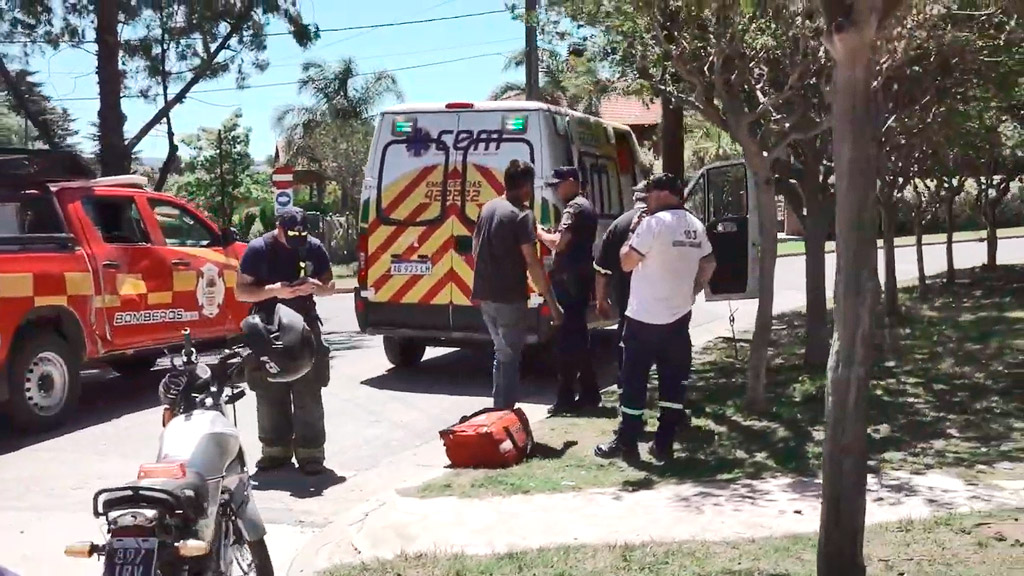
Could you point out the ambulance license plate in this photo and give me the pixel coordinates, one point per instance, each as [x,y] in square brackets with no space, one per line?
[411,268]
[130,557]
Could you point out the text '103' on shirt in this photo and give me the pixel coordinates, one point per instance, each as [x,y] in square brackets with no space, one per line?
[672,243]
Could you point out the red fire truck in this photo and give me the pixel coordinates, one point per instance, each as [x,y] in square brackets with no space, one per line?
[99,271]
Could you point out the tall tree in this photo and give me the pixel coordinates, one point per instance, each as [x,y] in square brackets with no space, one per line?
[208,40]
[851,33]
[567,79]
[332,132]
[49,123]
[218,173]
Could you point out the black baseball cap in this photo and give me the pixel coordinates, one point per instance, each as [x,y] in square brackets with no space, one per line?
[667,182]
[292,219]
[563,174]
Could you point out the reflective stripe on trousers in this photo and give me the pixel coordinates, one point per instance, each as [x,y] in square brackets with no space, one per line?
[668,347]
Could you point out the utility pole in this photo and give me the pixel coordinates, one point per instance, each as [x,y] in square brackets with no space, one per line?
[225,217]
[532,54]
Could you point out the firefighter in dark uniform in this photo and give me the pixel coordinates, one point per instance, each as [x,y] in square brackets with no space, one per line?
[290,267]
[612,283]
[572,278]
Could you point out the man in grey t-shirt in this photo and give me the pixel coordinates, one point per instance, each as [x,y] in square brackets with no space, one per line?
[504,251]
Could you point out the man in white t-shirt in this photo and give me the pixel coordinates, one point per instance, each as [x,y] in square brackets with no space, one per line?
[671,261]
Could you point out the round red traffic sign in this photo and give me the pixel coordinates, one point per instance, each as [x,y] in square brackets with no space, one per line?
[281,177]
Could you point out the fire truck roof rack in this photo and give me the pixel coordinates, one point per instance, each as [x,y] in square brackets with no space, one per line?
[41,165]
[124,180]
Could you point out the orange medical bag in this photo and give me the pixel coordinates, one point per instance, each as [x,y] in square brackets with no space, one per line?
[489,438]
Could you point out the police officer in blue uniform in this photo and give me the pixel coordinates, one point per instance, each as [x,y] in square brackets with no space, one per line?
[290,267]
[572,277]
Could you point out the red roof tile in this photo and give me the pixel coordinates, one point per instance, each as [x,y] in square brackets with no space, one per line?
[622,109]
[630,111]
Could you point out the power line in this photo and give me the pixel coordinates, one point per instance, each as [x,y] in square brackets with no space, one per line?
[320,30]
[359,59]
[294,82]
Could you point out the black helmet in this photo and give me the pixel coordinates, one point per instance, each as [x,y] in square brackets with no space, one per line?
[283,347]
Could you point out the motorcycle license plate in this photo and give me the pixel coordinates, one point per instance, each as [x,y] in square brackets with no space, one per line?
[130,557]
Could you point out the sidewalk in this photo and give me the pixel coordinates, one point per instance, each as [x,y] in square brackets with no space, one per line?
[691,511]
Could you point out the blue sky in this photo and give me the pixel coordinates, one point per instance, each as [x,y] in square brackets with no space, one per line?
[71,73]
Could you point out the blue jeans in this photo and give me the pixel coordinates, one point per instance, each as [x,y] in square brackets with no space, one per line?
[507,324]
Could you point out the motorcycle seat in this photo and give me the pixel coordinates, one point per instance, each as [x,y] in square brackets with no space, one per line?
[189,494]
[192,489]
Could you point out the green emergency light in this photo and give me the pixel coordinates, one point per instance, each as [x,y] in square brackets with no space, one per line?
[401,127]
[514,124]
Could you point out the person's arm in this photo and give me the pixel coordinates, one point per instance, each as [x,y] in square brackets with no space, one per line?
[638,244]
[605,265]
[247,288]
[707,264]
[535,268]
[526,237]
[559,239]
[323,272]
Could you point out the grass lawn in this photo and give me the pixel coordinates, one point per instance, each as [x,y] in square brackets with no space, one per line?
[946,394]
[796,247]
[990,544]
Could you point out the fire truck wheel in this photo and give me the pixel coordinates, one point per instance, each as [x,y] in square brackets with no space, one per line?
[44,382]
[403,352]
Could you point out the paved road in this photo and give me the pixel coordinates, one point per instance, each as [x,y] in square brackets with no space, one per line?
[374,414]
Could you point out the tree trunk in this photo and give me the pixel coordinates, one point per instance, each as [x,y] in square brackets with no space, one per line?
[757,367]
[115,158]
[892,301]
[672,145]
[950,266]
[922,279]
[816,226]
[856,156]
[991,233]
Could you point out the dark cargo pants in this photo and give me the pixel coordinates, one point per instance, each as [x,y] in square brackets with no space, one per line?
[290,415]
[575,362]
[644,345]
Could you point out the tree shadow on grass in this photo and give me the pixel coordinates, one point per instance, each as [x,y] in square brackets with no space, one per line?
[946,391]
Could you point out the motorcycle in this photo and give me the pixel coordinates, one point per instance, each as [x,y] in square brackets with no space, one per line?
[190,513]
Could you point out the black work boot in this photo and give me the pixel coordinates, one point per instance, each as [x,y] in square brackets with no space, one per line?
[266,463]
[661,451]
[618,448]
[663,447]
[566,399]
[312,467]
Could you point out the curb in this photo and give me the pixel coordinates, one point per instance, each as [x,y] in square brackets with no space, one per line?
[911,245]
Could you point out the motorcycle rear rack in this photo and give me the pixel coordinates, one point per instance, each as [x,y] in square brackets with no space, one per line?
[141,496]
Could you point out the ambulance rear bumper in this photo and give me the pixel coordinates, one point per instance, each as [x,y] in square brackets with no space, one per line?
[437,325]
[441,338]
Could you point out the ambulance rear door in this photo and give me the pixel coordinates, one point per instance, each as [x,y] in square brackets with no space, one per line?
[409,237]
[597,159]
[721,196]
[486,141]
